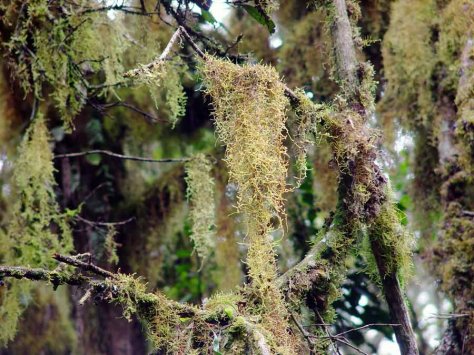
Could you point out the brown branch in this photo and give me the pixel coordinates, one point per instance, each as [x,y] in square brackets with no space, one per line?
[84,266]
[121,156]
[38,274]
[346,60]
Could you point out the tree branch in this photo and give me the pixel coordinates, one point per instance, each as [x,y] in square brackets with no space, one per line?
[84,266]
[37,274]
[344,49]
[121,156]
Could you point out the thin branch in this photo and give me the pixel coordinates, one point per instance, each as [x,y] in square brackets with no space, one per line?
[121,156]
[157,61]
[106,224]
[303,331]
[151,118]
[345,342]
[84,266]
[368,326]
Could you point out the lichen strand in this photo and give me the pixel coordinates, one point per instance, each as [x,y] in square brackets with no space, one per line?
[34,212]
[228,273]
[409,62]
[163,81]
[200,192]
[249,110]
[305,55]
[36,209]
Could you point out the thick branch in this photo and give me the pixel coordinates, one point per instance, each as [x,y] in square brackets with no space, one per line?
[347,70]
[54,277]
[344,49]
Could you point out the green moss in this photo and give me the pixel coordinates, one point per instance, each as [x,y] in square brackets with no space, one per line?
[397,245]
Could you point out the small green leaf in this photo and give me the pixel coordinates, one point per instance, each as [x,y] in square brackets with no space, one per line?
[94,159]
[207,16]
[261,17]
[229,311]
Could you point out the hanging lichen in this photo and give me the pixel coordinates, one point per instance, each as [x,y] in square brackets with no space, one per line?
[36,207]
[163,81]
[249,110]
[200,192]
[36,228]
[409,62]
[228,273]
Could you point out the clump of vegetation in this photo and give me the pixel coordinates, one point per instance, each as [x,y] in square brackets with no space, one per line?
[36,227]
[396,241]
[249,109]
[36,210]
[200,192]
[409,62]
[163,81]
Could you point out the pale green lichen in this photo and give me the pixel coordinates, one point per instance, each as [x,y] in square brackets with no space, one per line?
[200,192]
[249,109]
[34,211]
[163,81]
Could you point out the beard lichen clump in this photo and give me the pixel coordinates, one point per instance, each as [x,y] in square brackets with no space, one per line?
[36,209]
[249,111]
[30,237]
[200,192]
[163,81]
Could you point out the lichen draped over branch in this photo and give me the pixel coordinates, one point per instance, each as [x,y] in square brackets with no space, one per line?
[249,110]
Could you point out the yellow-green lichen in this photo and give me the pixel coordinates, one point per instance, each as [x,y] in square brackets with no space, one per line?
[200,192]
[249,109]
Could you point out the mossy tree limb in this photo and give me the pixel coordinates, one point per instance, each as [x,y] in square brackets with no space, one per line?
[346,65]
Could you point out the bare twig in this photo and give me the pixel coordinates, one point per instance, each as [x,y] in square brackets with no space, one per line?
[345,342]
[121,156]
[303,331]
[368,326]
[84,266]
[102,107]
[106,224]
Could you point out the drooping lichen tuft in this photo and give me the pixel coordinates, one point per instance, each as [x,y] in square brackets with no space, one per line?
[249,110]
[36,209]
[409,62]
[36,228]
[200,192]
[164,84]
